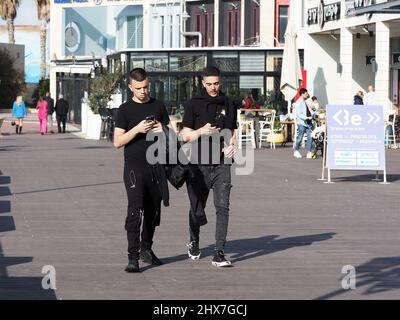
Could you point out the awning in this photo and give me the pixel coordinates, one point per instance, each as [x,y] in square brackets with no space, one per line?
[386,7]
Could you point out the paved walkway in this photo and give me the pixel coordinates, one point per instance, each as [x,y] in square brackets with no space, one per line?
[62,203]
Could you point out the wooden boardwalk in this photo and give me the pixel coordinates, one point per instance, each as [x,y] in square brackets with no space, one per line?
[62,203]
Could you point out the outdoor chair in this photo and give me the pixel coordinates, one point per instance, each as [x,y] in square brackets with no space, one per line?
[267,132]
[245,132]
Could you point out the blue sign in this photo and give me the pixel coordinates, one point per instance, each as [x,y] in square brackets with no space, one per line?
[355,137]
[70,1]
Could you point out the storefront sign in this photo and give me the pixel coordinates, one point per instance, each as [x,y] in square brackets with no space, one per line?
[323,13]
[356,138]
[352,5]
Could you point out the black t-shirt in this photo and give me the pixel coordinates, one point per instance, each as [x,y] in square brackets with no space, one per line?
[131,114]
[200,112]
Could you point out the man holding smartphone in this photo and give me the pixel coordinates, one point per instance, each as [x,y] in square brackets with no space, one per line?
[206,115]
[135,119]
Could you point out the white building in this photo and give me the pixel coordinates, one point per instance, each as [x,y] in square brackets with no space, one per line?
[88,33]
[350,45]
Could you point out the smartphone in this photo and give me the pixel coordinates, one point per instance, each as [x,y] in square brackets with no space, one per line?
[151,118]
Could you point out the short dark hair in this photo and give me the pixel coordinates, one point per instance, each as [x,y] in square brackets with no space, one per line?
[137,74]
[303,91]
[211,71]
[313,98]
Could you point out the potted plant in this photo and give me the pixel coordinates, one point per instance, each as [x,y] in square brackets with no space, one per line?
[102,88]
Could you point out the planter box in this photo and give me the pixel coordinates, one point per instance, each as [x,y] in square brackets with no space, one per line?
[278,138]
[93,125]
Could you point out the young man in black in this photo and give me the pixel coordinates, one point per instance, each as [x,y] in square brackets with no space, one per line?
[206,115]
[135,119]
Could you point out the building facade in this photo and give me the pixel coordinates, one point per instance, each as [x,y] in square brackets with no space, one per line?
[173,40]
[350,45]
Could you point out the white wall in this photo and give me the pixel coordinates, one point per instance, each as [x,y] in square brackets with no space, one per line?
[362,73]
[267,23]
[155,14]
[321,55]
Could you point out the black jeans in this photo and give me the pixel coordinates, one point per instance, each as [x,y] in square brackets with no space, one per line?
[61,118]
[206,177]
[144,203]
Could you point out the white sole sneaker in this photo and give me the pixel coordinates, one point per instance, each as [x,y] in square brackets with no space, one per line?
[191,256]
[194,257]
[297,155]
[222,264]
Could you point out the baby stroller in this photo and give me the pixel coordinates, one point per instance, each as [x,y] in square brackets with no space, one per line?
[318,136]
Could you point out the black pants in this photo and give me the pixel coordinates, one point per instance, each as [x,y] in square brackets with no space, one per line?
[61,118]
[206,177]
[144,202]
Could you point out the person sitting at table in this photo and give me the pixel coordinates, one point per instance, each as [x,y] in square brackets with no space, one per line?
[248,101]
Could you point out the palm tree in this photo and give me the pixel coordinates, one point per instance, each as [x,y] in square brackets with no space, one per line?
[43,13]
[8,12]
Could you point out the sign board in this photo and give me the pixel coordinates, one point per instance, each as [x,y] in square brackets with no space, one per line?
[323,13]
[355,137]
[352,5]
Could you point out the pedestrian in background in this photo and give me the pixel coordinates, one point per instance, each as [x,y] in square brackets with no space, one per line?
[62,107]
[19,112]
[359,98]
[370,96]
[42,108]
[50,111]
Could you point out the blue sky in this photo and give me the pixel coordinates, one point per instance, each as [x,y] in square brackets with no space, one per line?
[26,14]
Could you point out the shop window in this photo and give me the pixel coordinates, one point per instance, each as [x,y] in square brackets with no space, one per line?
[226,61]
[252,61]
[273,96]
[282,24]
[187,62]
[135,32]
[233,27]
[274,61]
[253,85]
[152,62]
[256,24]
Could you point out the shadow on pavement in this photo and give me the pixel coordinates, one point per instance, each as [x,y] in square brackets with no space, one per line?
[21,288]
[244,249]
[65,188]
[5,180]
[367,177]
[95,147]
[375,276]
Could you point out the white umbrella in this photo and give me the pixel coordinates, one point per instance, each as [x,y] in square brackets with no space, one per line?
[291,69]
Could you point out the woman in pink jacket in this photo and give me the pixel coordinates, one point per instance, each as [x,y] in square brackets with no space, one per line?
[42,106]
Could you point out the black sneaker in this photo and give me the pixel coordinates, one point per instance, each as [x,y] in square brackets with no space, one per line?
[133,266]
[193,250]
[149,257]
[219,260]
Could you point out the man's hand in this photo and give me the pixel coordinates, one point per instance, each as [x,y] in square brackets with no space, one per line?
[229,151]
[157,127]
[207,129]
[144,126]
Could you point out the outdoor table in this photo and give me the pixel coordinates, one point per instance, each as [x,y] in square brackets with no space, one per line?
[256,119]
[288,134]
